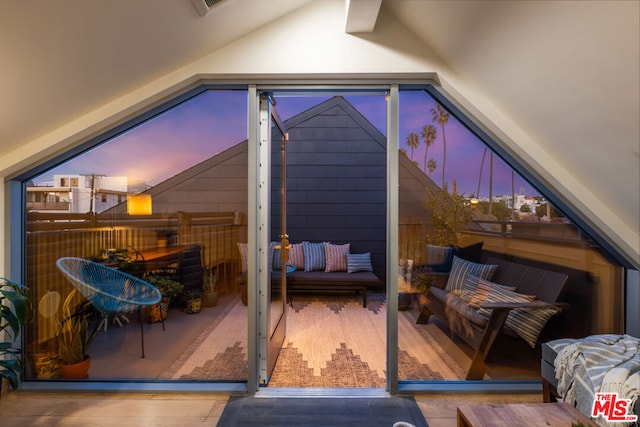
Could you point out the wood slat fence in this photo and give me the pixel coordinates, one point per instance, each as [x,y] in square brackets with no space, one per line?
[51,236]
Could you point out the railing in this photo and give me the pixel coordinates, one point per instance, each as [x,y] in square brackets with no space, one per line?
[51,236]
[412,237]
[49,206]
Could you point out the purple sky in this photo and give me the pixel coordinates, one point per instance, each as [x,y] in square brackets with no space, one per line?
[216,120]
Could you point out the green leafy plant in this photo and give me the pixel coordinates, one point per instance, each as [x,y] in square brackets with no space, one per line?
[73,332]
[167,286]
[14,308]
[192,294]
[451,215]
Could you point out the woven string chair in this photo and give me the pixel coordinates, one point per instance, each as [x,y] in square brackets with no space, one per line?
[112,292]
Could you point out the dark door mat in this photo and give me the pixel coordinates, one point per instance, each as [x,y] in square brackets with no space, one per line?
[249,411]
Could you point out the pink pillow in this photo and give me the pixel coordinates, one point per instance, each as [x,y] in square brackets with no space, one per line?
[336,256]
[296,256]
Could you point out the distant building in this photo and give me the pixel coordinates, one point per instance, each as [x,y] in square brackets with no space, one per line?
[78,194]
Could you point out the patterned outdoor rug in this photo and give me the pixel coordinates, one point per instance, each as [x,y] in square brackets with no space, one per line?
[219,353]
[331,341]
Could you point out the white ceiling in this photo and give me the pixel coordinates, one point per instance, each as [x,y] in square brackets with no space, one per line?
[566,73]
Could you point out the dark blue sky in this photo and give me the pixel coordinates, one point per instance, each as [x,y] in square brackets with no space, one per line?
[216,120]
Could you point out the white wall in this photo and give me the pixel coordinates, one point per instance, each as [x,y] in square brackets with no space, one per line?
[311,42]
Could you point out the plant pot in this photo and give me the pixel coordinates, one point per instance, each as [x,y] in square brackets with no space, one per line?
[45,364]
[158,312]
[210,299]
[77,371]
[194,305]
[404,301]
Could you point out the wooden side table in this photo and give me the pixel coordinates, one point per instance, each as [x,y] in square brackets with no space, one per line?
[520,414]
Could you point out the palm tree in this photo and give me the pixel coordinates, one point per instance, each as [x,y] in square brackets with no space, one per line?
[431,165]
[440,115]
[484,153]
[412,142]
[429,135]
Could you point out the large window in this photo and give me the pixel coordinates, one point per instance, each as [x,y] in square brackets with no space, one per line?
[461,205]
[166,201]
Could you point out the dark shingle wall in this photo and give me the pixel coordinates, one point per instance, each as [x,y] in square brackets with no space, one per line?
[336,181]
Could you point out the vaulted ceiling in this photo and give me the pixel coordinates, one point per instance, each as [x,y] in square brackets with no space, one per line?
[562,78]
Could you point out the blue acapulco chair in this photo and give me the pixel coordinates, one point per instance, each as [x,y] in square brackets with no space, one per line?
[112,292]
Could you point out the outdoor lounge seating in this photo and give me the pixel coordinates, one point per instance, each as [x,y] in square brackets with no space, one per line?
[478,310]
[321,267]
[110,291]
[320,281]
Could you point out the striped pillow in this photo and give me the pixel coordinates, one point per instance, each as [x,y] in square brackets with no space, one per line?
[335,256]
[527,323]
[296,256]
[359,262]
[459,270]
[482,289]
[314,259]
[469,287]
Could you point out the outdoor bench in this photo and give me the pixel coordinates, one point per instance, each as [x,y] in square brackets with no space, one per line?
[360,282]
[480,325]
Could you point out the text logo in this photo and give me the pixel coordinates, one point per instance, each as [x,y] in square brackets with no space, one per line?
[613,409]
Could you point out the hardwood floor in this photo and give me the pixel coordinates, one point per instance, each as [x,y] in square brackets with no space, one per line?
[126,409]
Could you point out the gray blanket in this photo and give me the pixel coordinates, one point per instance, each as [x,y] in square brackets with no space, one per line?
[597,364]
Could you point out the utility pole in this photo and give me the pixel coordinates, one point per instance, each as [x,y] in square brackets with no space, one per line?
[92,200]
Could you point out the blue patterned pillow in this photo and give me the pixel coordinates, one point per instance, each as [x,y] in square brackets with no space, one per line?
[314,258]
[359,262]
[459,270]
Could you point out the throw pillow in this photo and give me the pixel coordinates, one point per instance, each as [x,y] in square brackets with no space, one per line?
[359,262]
[469,288]
[296,256]
[336,256]
[492,292]
[314,259]
[277,261]
[460,268]
[242,248]
[439,258]
[526,322]
[471,253]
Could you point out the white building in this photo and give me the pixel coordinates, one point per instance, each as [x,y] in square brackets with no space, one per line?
[78,194]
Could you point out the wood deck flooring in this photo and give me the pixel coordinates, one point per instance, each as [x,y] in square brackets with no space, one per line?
[133,410]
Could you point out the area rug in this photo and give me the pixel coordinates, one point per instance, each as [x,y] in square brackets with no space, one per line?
[256,411]
[331,341]
[219,352]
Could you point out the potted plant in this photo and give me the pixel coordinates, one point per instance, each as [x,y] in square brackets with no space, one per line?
[168,288]
[210,295]
[13,316]
[193,301]
[73,336]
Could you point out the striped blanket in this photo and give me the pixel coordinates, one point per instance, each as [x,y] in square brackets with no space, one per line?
[597,364]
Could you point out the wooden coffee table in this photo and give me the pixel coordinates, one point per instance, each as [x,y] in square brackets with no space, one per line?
[510,415]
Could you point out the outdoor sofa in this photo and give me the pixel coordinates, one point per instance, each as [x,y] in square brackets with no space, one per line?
[481,301]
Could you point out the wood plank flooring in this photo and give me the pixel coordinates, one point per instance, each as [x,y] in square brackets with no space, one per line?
[133,410]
